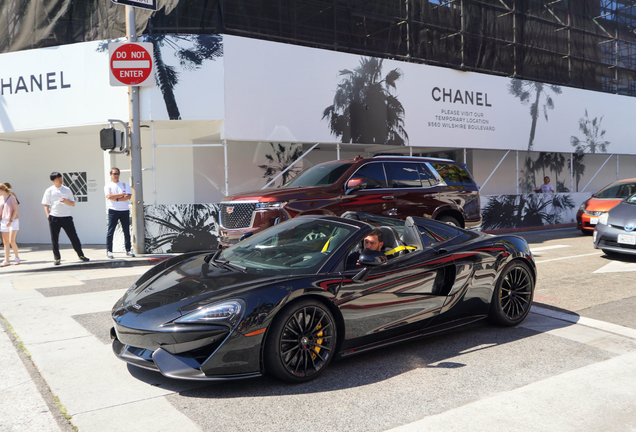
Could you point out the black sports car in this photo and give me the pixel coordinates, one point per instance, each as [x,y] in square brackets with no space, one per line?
[616,229]
[289,299]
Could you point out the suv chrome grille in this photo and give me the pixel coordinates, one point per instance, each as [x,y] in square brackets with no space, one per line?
[237,215]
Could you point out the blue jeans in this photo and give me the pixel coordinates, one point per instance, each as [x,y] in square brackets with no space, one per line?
[115,216]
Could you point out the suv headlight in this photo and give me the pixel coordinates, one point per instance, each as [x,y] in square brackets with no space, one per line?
[272,205]
[602,219]
[227,312]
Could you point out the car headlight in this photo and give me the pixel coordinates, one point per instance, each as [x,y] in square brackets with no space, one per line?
[272,205]
[583,206]
[227,312]
[602,219]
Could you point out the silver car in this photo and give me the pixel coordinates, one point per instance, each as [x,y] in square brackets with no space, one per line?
[616,229]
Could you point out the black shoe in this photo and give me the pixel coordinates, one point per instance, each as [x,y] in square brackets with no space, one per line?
[83,258]
[56,262]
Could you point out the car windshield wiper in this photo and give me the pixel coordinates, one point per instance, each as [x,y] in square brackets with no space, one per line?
[212,256]
[230,265]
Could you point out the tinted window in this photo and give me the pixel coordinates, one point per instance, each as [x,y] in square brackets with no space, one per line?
[404,175]
[620,190]
[319,175]
[373,175]
[427,178]
[453,175]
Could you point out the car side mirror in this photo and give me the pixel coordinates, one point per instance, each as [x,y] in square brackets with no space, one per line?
[355,184]
[371,258]
[246,235]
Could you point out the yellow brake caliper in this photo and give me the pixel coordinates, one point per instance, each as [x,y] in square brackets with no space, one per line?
[318,342]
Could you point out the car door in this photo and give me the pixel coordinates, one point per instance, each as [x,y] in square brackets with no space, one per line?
[399,296]
[414,192]
[374,197]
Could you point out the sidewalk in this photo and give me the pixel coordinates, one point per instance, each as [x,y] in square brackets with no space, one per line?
[26,401]
[39,257]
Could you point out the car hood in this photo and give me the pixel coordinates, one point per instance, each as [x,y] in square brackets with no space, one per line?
[601,204]
[623,214]
[182,288]
[282,194]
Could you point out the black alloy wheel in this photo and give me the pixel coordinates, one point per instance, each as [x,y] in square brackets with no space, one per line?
[301,341]
[513,294]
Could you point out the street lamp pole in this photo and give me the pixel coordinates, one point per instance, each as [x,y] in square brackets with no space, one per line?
[136,180]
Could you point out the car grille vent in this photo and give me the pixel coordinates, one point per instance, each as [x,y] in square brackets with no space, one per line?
[615,244]
[237,215]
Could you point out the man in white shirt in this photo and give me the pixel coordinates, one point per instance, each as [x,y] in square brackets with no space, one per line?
[118,195]
[58,200]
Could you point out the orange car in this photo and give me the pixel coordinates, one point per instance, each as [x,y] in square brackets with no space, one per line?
[602,201]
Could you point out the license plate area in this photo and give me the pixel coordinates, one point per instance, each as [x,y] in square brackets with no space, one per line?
[593,220]
[629,239]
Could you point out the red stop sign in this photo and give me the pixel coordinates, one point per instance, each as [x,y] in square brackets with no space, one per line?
[131,64]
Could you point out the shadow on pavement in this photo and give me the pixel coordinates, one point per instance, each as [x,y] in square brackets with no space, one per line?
[441,351]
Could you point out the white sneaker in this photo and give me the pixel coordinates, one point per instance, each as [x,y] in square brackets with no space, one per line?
[109,255]
[130,254]
[4,263]
[17,261]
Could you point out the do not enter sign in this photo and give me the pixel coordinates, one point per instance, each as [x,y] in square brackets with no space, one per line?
[131,64]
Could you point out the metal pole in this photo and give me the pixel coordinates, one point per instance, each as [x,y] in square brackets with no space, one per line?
[599,170]
[493,171]
[572,172]
[517,175]
[154,163]
[226,169]
[135,150]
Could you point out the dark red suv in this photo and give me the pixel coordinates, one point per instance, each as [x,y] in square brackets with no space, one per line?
[390,186]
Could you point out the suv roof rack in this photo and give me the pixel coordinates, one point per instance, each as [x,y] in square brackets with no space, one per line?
[415,157]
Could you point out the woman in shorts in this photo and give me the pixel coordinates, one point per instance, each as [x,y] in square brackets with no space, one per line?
[9,225]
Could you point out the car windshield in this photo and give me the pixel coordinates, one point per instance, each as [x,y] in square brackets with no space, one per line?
[319,175]
[298,246]
[616,190]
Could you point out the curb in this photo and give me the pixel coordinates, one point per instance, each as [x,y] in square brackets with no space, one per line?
[534,228]
[96,264]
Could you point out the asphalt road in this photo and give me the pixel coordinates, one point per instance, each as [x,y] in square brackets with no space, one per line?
[571,366]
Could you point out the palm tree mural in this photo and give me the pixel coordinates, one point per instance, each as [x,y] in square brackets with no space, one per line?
[579,167]
[279,160]
[181,227]
[527,210]
[594,136]
[541,99]
[546,163]
[201,48]
[364,109]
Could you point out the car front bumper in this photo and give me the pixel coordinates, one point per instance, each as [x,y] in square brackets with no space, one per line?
[610,238]
[219,357]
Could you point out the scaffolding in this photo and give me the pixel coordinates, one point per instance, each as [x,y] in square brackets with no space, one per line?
[589,44]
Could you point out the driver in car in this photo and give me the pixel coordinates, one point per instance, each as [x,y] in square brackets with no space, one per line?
[374,241]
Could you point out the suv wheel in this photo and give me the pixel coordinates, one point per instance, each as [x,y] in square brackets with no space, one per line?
[449,220]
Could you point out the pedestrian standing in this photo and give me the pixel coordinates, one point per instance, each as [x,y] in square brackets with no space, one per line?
[9,225]
[546,187]
[58,200]
[118,196]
